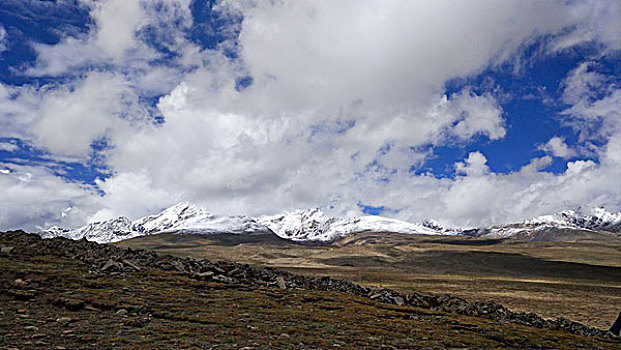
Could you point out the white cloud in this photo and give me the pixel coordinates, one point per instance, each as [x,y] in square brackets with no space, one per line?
[115,38]
[346,97]
[474,165]
[33,199]
[3,39]
[7,146]
[477,114]
[396,51]
[600,21]
[557,147]
[71,119]
[117,22]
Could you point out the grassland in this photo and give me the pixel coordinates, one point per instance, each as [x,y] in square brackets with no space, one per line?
[54,302]
[579,280]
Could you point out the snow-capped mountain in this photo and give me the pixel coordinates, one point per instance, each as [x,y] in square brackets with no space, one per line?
[583,219]
[591,218]
[186,218]
[314,225]
[180,218]
[112,230]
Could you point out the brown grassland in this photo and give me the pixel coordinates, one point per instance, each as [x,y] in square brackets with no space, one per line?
[58,302]
[579,280]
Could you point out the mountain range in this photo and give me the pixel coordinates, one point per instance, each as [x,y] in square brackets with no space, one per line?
[314,225]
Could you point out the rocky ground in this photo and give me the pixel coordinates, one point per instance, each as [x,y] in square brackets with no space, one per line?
[77,294]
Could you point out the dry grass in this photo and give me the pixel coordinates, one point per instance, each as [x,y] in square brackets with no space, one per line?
[576,280]
[167,310]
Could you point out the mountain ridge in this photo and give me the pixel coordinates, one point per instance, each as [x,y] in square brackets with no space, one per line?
[313,225]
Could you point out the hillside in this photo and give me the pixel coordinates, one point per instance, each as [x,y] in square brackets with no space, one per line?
[78,295]
[525,276]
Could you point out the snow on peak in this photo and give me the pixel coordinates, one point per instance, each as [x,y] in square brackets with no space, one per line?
[313,224]
[584,218]
[589,218]
[177,215]
[299,224]
[112,230]
[180,218]
[187,218]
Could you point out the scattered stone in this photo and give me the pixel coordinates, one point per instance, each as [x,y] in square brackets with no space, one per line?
[90,308]
[204,275]
[63,320]
[131,264]
[6,250]
[137,321]
[398,300]
[112,265]
[615,330]
[121,312]
[22,295]
[74,305]
[280,281]
[31,328]
[224,279]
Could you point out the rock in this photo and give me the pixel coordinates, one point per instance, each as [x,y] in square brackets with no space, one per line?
[74,305]
[121,312]
[131,264]
[178,265]
[112,265]
[225,279]
[204,275]
[31,328]
[19,282]
[21,294]
[6,250]
[280,281]
[615,330]
[63,320]
[398,300]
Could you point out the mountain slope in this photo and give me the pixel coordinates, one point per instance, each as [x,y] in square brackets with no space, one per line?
[562,226]
[314,225]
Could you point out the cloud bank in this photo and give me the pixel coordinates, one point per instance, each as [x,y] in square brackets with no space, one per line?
[343,102]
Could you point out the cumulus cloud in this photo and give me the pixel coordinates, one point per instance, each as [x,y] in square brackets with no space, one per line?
[346,99]
[557,147]
[71,119]
[474,165]
[391,52]
[34,199]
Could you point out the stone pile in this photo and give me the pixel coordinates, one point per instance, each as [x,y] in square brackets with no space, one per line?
[110,259]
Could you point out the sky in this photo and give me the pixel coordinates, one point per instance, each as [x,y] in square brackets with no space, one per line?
[468,112]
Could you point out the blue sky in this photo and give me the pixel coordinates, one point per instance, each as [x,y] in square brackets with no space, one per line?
[402,109]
